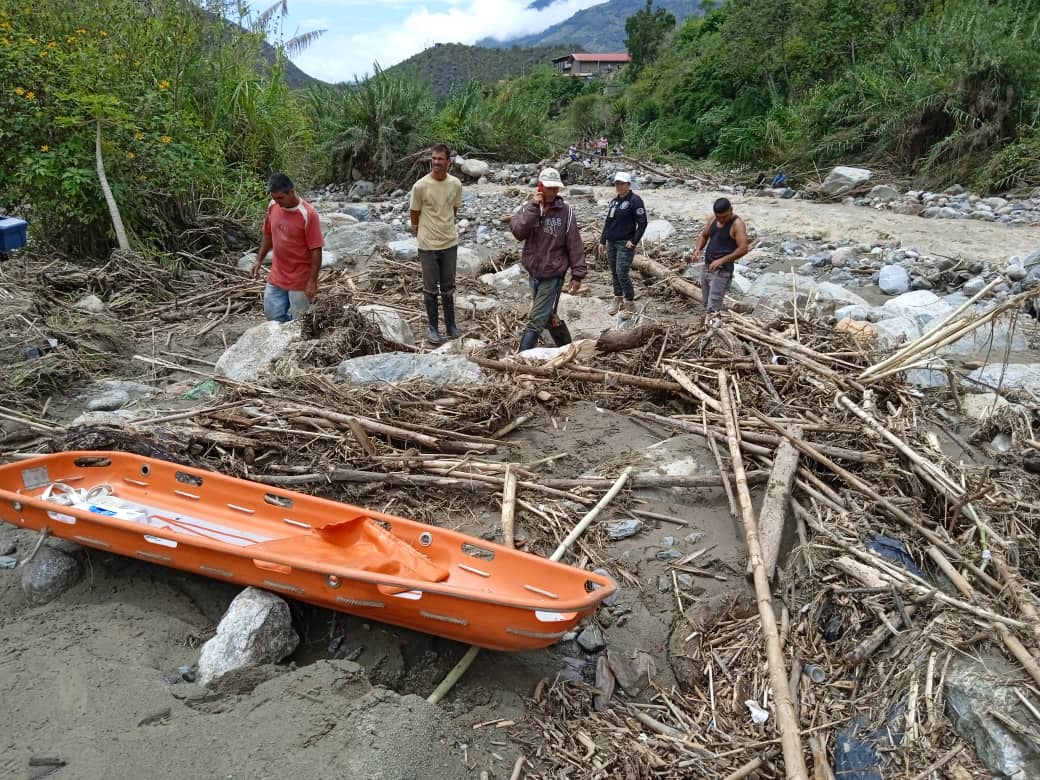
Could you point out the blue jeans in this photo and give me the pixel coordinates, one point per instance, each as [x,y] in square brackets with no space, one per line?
[620,259]
[284,305]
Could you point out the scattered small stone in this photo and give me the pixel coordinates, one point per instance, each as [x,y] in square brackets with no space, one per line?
[693,537]
[49,574]
[591,639]
[8,562]
[613,598]
[670,554]
[624,529]
[669,541]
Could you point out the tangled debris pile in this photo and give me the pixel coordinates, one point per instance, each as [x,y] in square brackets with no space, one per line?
[910,564]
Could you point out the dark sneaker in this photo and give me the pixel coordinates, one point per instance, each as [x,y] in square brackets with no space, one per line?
[433,336]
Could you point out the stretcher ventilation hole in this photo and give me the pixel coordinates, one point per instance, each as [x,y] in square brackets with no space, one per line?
[279,501]
[333,581]
[478,552]
[146,470]
[188,479]
[92,461]
[16,505]
[425,538]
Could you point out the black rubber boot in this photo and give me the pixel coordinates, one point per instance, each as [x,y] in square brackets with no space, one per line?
[561,335]
[528,341]
[432,334]
[448,301]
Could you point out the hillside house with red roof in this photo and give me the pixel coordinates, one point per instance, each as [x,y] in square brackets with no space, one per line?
[590,66]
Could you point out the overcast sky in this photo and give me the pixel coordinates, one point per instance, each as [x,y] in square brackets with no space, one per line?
[360,33]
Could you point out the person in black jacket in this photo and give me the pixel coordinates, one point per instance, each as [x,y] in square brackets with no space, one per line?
[624,226]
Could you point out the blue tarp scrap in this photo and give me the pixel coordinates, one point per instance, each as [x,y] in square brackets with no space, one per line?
[894,550]
[856,749]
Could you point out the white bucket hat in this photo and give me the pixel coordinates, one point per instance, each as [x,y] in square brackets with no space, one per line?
[623,176]
[550,177]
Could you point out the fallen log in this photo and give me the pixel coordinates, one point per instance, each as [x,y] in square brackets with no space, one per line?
[593,375]
[687,289]
[620,340]
[773,514]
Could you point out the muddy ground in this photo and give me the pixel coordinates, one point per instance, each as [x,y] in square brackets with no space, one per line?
[87,678]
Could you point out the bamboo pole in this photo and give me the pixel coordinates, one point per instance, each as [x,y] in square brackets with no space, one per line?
[508,507]
[467,660]
[593,513]
[1019,651]
[1020,595]
[592,375]
[787,719]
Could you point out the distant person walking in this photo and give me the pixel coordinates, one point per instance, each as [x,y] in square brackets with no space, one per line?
[552,245]
[723,241]
[292,229]
[622,230]
[435,203]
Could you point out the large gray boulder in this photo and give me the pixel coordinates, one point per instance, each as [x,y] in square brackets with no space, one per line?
[256,629]
[468,262]
[512,278]
[894,280]
[895,331]
[256,350]
[1004,377]
[405,249]
[361,189]
[472,168]
[391,324]
[921,306]
[843,179]
[393,367]
[585,317]
[1002,333]
[829,291]
[50,573]
[772,285]
[658,230]
[975,690]
[359,240]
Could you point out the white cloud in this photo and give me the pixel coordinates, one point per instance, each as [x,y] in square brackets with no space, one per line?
[342,53]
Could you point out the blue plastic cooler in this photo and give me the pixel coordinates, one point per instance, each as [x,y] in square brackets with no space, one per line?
[13,233]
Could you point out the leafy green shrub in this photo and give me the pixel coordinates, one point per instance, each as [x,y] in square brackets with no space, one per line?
[186,122]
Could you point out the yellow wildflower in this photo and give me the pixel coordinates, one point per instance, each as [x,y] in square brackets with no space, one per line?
[139,135]
[70,39]
[45,148]
[30,95]
[166,139]
[164,84]
[19,91]
[43,52]
[31,40]
[102,33]
[80,31]
[52,44]
[130,155]
[5,42]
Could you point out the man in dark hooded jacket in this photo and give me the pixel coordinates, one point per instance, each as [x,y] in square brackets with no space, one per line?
[552,245]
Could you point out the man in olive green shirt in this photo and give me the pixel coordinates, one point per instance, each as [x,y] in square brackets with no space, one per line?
[435,202]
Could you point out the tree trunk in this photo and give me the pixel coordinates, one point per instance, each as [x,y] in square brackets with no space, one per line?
[113,208]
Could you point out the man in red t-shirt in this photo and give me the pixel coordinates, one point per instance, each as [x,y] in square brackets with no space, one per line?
[293,229]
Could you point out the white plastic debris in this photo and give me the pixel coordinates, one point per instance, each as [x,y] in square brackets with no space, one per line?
[758,715]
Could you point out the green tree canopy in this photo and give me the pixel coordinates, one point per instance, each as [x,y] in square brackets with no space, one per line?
[645,31]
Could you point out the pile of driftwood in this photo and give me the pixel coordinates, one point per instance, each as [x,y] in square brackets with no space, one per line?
[905,560]
[842,631]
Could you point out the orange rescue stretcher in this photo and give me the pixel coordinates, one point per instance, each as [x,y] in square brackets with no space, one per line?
[333,555]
